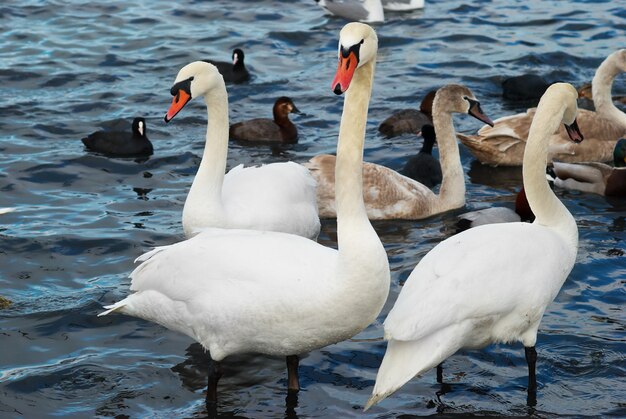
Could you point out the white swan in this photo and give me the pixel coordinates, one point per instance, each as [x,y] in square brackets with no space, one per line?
[273,197]
[370,11]
[388,194]
[503,144]
[238,291]
[402,5]
[491,283]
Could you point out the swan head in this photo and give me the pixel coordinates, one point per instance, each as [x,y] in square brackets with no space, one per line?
[459,99]
[193,80]
[619,58]
[563,94]
[358,44]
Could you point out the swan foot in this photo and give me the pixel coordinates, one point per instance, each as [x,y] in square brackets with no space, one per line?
[293,383]
[215,373]
[440,373]
[531,360]
[291,402]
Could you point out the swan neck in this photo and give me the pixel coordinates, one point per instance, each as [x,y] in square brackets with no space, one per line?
[452,191]
[206,190]
[548,210]
[601,87]
[351,213]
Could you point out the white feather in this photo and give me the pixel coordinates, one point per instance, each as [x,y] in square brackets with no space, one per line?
[488,284]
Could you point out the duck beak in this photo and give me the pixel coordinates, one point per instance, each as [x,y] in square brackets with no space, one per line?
[574,132]
[345,71]
[476,111]
[294,109]
[180,100]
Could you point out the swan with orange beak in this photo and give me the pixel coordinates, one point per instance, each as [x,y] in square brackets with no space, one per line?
[272,197]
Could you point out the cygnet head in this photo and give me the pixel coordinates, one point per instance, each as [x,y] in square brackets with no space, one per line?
[459,99]
[193,80]
[358,44]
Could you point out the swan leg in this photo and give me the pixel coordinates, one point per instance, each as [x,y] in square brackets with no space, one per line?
[215,373]
[440,373]
[291,402]
[531,360]
[293,383]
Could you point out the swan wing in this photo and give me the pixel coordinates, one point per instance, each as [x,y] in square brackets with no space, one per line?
[600,135]
[239,290]
[481,274]
[390,195]
[386,193]
[348,9]
[504,143]
[402,5]
[283,196]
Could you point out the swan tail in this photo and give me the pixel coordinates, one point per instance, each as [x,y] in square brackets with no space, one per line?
[404,360]
[113,307]
[150,253]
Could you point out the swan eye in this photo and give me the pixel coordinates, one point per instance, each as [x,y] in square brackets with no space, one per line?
[181,85]
[355,49]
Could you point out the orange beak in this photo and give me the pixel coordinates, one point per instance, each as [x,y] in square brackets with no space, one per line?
[178,103]
[344,74]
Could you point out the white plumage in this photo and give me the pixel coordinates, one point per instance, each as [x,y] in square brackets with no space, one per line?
[267,292]
[274,197]
[491,283]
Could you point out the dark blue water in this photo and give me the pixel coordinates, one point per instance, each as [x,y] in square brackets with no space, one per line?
[68,69]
